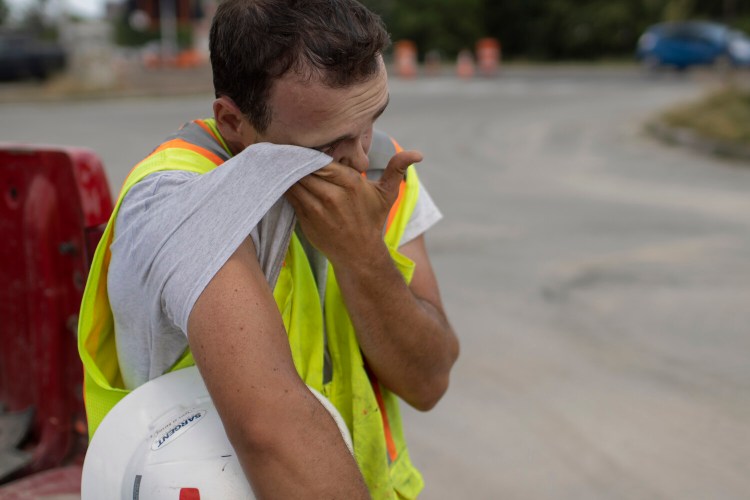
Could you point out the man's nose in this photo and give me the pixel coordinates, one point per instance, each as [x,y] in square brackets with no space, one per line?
[355,156]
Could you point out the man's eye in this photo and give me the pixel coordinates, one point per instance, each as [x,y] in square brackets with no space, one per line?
[329,149]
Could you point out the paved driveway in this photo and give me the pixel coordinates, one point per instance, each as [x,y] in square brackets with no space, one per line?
[599,281]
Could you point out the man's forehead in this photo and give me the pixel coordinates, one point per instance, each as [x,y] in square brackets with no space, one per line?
[315,78]
[294,92]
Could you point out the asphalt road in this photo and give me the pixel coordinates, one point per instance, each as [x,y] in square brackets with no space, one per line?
[599,280]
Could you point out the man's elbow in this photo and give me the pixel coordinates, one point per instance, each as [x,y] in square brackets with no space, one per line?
[428,397]
[253,437]
[258,432]
[431,391]
[295,451]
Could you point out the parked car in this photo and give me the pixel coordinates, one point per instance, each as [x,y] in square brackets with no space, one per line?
[693,43]
[22,56]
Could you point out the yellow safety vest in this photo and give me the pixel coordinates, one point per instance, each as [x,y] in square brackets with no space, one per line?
[370,411]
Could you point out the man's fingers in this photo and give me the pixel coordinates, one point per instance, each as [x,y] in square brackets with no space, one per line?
[395,171]
[313,194]
[319,184]
[301,199]
[338,174]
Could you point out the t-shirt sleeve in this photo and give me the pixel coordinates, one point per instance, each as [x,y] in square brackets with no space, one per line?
[426,214]
[175,230]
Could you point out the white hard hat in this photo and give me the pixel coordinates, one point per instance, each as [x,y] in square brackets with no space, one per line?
[165,441]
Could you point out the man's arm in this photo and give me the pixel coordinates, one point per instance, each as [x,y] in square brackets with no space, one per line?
[403,331]
[287,443]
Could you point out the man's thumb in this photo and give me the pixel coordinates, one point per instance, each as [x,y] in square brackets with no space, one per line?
[395,171]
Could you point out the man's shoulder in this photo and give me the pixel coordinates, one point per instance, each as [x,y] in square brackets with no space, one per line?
[151,188]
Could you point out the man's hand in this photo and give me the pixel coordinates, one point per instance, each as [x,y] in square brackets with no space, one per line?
[403,331]
[342,213]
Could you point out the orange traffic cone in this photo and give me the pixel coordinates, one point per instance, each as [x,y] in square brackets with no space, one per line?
[405,58]
[465,65]
[488,56]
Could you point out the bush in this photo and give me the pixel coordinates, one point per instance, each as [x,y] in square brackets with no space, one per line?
[723,115]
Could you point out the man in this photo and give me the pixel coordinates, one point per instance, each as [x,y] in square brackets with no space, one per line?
[204,257]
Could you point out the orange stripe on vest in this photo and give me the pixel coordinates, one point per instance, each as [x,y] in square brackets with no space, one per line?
[208,130]
[181,144]
[401,190]
[389,442]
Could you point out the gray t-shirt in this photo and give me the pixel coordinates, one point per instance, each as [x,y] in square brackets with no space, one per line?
[176,229]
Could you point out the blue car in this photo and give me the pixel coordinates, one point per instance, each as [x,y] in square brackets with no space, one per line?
[693,43]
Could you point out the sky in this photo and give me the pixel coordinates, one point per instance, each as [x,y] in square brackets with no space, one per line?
[89,8]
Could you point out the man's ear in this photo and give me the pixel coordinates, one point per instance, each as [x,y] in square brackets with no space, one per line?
[234,127]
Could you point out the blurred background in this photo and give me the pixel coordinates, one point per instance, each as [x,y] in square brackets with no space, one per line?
[539,30]
[591,159]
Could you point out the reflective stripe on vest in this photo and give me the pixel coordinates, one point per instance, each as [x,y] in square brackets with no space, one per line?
[370,411]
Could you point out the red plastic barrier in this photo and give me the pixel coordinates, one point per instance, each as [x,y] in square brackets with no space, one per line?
[54,203]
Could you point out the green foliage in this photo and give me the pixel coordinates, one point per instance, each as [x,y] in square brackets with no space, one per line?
[679,10]
[36,22]
[4,12]
[545,29]
[723,115]
[742,23]
[126,36]
[445,25]
[570,29]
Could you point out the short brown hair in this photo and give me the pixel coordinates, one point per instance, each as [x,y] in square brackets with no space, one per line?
[255,42]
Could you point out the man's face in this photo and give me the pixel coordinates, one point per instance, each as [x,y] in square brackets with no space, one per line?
[336,121]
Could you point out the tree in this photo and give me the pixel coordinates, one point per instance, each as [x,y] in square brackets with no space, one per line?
[4,12]
[679,10]
[36,20]
[444,25]
[570,29]
[546,29]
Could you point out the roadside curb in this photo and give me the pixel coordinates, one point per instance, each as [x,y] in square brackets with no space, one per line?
[98,94]
[132,82]
[686,137]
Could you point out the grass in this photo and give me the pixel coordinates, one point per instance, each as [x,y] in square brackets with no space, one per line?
[723,115]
